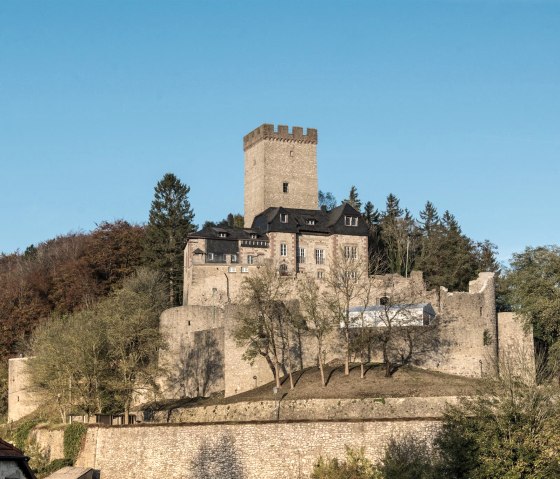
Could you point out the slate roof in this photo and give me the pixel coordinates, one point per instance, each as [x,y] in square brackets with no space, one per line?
[213,232]
[325,222]
[12,453]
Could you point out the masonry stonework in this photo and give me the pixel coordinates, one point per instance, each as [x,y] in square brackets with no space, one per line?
[258,450]
[280,169]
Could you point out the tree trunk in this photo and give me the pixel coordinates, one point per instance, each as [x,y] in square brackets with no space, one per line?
[321,369]
[347,359]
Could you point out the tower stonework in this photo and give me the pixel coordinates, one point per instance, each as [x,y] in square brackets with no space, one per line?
[280,169]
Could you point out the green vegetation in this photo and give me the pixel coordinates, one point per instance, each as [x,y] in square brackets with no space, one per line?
[169,225]
[400,243]
[20,434]
[356,466]
[74,435]
[531,289]
[95,360]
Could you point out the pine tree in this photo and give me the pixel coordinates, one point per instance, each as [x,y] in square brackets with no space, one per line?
[392,209]
[170,223]
[371,214]
[327,200]
[353,199]
[429,218]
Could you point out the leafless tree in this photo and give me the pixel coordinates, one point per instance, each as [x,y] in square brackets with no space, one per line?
[260,320]
[347,284]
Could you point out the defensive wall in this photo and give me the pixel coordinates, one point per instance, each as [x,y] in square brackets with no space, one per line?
[467,344]
[251,450]
[311,409]
[22,400]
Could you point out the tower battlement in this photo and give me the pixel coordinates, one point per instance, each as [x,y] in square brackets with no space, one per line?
[267,132]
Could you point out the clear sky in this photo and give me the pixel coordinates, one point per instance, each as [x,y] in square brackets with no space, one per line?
[457,102]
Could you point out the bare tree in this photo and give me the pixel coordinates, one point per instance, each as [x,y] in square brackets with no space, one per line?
[347,284]
[316,314]
[405,328]
[259,322]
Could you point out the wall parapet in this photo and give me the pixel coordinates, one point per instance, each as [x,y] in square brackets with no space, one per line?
[267,132]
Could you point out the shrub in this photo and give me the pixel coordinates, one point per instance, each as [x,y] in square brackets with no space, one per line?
[73,436]
[408,458]
[356,466]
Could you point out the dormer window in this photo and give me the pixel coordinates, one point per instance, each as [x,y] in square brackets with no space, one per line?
[283,217]
[350,221]
[285,187]
[253,236]
[310,222]
[222,235]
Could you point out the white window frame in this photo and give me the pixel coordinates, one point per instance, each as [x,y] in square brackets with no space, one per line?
[244,269]
[320,274]
[319,256]
[231,269]
[250,259]
[350,252]
[350,221]
[283,249]
[283,217]
[301,256]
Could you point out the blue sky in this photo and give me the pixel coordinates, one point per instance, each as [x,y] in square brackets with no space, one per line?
[457,102]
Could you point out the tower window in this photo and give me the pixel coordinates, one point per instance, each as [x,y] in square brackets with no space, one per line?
[285,187]
[283,217]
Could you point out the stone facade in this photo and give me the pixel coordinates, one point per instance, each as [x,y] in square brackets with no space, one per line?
[252,450]
[280,169]
[22,400]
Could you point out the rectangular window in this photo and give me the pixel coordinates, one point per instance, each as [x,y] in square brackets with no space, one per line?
[210,257]
[319,256]
[301,256]
[351,221]
[283,249]
[319,275]
[350,252]
[285,187]
[234,258]
[244,269]
[283,217]
[250,259]
[231,269]
[310,222]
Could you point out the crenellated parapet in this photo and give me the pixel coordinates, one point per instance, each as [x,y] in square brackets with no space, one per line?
[268,132]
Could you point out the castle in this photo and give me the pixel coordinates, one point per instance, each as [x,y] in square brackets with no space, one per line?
[284,226]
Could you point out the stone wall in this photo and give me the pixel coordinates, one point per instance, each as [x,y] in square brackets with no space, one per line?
[273,158]
[516,348]
[22,400]
[257,450]
[312,409]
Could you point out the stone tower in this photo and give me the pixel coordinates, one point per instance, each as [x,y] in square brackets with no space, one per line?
[280,169]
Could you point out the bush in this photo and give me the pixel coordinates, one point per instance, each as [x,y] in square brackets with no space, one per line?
[73,436]
[20,434]
[408,458]
[356,466]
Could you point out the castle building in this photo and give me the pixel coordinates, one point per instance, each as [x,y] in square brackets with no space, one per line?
[283,225]
[283,222]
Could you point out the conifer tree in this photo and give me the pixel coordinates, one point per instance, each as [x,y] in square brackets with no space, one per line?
[171,220]
[353,199]
[429,218]
[327,200]
[371,214]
